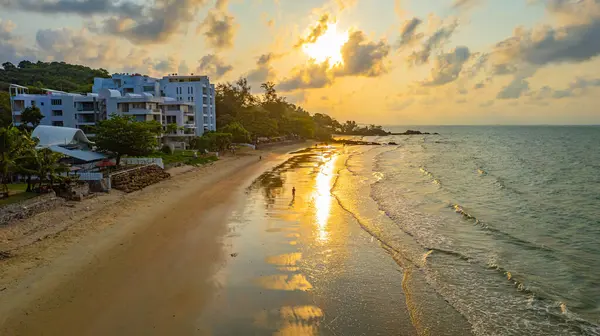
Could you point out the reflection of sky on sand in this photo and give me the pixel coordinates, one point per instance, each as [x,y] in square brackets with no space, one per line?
[291,320]
[322,197]
[289,259]
[285,282]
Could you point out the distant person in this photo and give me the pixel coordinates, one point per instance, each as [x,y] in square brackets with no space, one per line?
[294,192]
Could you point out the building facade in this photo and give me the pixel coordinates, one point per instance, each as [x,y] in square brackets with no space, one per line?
[197,90]
[187,101]
[58,108]
[191,89]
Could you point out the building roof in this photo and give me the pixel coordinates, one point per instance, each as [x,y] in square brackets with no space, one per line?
[54,136]
[87,156]
[18,86]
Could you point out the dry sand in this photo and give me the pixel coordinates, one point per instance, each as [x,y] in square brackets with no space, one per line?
[103,266]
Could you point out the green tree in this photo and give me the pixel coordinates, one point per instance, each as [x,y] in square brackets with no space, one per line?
[238,132]
[32,115]
[5,110]
[122,135]
[28,164]
[258,122]
[231,99]
[49,166]
[349,127]
[172,128]
[14,144]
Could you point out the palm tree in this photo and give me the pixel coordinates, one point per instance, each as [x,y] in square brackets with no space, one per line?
[49,166]
[14,144]
[28,165]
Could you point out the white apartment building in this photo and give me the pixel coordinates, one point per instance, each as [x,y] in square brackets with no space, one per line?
[196,90]
[57,107]
[83,111]
[126,83]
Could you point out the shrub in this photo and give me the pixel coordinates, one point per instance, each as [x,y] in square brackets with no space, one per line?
[166,149]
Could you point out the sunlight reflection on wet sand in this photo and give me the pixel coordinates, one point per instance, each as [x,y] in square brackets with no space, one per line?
[285,282]
[322,197]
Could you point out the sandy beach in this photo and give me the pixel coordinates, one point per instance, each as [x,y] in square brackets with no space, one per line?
[227,249]
[125,264]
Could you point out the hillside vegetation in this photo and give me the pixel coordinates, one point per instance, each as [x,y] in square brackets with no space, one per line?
[52,75]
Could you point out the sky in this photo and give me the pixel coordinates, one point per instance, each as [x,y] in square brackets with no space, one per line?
[390,62]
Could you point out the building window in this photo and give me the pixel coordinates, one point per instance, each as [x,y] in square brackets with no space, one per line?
[56,102]
[192,90]
[171,120]
[57,113]
[42,103]
[57,123]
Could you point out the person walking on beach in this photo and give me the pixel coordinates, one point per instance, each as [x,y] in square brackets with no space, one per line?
[294,192]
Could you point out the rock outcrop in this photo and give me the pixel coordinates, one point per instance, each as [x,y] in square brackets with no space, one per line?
[137,179]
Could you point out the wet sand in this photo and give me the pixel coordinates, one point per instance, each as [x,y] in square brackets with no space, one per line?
[303,266]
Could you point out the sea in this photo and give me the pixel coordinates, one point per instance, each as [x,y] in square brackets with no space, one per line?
[502,223]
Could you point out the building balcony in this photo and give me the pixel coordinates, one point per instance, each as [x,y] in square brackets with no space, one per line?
[143,111]
[83,122]
[85,111]
[190,125]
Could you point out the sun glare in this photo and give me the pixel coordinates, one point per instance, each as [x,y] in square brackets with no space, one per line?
[328,46]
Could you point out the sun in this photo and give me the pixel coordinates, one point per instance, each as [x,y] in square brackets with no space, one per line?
[328,46]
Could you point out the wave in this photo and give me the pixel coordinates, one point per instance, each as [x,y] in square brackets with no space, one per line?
[419,258]
[507,236]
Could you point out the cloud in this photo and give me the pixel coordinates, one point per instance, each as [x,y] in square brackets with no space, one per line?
[169,65]
[465,4]
[407,32]
[399,105]
[448,66]
[575,89]
[214,66]
[310,76]
[479,86]
[6,29]
[545,45]
[183,68]
[82,47]
[12,48]
[140,22]
[436,40]
[517,88]
[573,40]
[487,103]
[219,30]
[79,7]
[76,46]
[263,71]
[315,32]
[343,4]
[362,57]
[221,5]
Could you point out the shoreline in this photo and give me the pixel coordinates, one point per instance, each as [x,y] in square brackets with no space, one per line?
[133,227]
